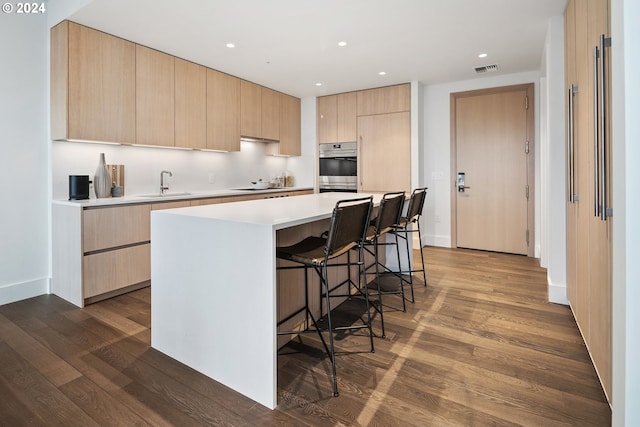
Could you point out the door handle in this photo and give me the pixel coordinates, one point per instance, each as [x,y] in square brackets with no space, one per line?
[461,186]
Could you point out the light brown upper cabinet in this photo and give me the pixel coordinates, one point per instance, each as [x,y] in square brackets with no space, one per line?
[289,126]
[336,117]
[389,99]
[250,109]
[270,112]
[155,72]
[190,104]
[92,85]
[223,111]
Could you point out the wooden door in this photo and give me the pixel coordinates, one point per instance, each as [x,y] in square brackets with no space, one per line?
[384,144]
[492,143]
[346,120]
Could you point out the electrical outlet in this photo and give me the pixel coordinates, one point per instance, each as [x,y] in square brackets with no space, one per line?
[212,178]
[437,176]
[437,218]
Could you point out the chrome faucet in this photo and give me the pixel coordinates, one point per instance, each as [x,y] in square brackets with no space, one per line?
[162,186]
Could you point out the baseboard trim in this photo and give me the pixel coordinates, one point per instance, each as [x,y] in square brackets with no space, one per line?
[557,293]
[19,291]
[433,240]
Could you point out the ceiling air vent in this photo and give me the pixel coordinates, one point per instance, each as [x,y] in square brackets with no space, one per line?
[486,68]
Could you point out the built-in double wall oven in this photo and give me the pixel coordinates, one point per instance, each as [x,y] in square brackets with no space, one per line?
[338,167]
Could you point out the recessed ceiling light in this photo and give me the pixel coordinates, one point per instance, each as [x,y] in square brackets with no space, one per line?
[382,73]
[342,44]
[318,84]
[482,55]
[230,45]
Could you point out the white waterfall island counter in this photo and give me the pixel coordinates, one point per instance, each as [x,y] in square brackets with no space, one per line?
[213,285]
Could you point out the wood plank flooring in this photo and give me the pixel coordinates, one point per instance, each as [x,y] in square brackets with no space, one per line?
[480,346]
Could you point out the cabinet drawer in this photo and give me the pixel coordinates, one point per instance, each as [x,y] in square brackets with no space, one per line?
[111,270]
[105,228]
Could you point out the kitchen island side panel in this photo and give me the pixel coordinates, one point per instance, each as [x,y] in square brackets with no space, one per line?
[213,299]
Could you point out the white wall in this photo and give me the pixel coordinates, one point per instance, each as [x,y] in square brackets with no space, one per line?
[437,155]
[552,165]
[625,35]
[24,171]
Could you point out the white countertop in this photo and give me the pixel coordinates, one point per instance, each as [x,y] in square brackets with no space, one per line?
[276,212]
[150,198]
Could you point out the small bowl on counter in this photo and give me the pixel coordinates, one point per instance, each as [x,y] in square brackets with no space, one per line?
[260,185]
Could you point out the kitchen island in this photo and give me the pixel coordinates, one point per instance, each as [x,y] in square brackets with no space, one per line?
[214,303]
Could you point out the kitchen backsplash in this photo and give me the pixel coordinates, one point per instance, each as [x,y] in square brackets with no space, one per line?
[192,170]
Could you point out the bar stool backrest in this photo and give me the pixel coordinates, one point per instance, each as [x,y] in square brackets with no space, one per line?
[416,203]
[389,211]
[349,223]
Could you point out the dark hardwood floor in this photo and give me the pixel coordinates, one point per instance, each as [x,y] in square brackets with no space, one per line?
[480,346]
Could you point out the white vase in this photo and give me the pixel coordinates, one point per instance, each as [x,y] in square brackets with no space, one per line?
[102,179]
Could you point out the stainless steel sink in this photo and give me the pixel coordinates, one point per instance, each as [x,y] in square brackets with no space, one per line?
[170,194]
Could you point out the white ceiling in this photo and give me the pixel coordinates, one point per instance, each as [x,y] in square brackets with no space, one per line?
[290,45]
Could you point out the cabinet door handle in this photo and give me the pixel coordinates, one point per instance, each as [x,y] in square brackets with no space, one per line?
[596,132]
[571,196]
[602,97]
[600,130]
[360,162]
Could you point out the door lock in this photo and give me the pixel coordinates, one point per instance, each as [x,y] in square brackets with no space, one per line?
[461,186]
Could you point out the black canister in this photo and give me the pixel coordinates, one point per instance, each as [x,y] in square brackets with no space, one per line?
[78,187]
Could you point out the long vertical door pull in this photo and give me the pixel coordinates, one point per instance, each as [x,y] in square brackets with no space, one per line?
[600,175]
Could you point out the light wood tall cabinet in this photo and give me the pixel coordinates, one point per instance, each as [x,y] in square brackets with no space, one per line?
[384,156]
[589,202]
[155,97]
[92,85]
[190,95]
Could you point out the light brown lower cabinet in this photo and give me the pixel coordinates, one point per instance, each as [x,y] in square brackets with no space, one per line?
[108,271]
[103,251]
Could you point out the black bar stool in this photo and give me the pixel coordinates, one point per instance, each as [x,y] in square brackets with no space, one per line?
[388,216]
[402,230]
[349,223]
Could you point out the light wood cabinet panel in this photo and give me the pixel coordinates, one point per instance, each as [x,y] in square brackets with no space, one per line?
[190,104]
[383,100]
[223,111]
[250,109]
[336,118]
[92,85]
[327,118]
[384,152]
[155,112]
[290,131]
[108,271]
[111,227]
[270,114]
[346,121]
